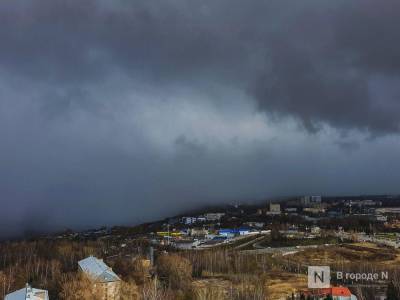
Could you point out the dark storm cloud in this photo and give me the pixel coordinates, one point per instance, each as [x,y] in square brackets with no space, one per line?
[117,112]
[325,67]
[79,40]
[314,60]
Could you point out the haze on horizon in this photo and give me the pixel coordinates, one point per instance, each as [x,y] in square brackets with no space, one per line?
[119,112]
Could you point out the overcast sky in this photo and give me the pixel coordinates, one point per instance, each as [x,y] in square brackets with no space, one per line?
[119,112]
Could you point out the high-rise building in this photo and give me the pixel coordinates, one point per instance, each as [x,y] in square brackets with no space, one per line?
[274,209]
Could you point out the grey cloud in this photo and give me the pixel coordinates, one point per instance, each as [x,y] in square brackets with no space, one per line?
[192,148]
[143,109]
[322,70]
[314,60]
[349,145]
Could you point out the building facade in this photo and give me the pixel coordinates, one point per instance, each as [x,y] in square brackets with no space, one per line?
[103,277]
[274,209]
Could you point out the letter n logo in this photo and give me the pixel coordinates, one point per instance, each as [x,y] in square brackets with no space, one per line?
[319,277]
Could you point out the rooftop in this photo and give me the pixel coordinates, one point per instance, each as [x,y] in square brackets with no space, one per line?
[28,293]
[97,269]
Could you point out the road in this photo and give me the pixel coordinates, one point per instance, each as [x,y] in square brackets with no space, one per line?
[280,250]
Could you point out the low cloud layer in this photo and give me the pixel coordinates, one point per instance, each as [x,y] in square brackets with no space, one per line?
[121,112]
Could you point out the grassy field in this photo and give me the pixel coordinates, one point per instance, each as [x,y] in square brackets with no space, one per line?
[292,242]
[389,235]
[348,253]
[284,284]
[284,274]
[279,284]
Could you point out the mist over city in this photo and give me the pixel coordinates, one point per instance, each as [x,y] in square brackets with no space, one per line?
[123,112]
